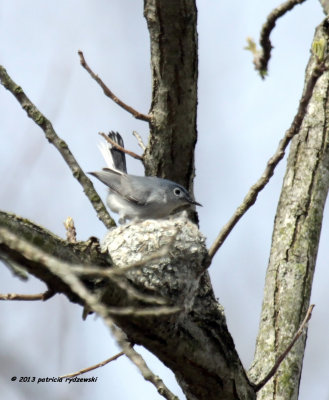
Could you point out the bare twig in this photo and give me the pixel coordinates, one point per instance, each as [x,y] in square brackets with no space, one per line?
[88,369]
[60,145]
[28,297]
[116,274]
[252,194]
[118,271]
[63,271]
[139,140]
[262,56]
[278,362]
[109,93]
[113,143]
[134,293]
[71,233]
[123,284]
[144,312]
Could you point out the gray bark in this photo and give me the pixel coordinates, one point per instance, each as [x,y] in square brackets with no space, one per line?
[81,253]
[295,244]
[325,6]
[193,342]
[174,65]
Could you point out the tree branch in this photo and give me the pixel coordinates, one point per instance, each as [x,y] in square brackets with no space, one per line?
[262,56]
[109,93]
[253,192]
[325,6]
[81,253]
[295,240]
[60,145]
[98,365]
[174,66]
[63,271]
[197,332]
[124,150]
[28,297]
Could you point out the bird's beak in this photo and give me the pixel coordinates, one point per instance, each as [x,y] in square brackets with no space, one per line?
[195,203]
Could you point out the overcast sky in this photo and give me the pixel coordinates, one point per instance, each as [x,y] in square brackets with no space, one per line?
[240,122]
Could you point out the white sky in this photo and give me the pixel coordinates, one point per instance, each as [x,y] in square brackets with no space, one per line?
[240,122]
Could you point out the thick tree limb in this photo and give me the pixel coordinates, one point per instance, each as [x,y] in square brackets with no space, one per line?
[194,341]
[81,253]
[60,145]
[174,63]
[63,271]
[204,359]
[295,243]
[278,362]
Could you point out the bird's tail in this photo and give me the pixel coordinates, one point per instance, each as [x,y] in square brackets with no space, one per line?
[115,159]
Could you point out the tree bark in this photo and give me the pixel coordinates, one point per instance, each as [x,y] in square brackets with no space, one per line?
[194,341]
[295,243]
[80,253]
[325,6]
[174,65]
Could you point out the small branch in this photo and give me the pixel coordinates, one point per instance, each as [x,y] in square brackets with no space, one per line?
[119,271]
[63,271]
[253,192]
[116,145]
[144,312]
[71,233]
[60,145]
[122,283]
[278,362]
[109,93]
[139,140]
[101,364]
[262,56]
[134,293]
[28,297]
[116,274]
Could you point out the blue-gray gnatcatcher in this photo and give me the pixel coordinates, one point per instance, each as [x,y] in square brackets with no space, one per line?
[138,197]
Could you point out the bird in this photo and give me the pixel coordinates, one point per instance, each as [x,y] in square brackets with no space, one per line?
[135,197]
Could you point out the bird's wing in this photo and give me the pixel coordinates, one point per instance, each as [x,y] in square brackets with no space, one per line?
[136,189]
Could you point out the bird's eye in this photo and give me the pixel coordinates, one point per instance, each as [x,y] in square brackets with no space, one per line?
[177,191]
